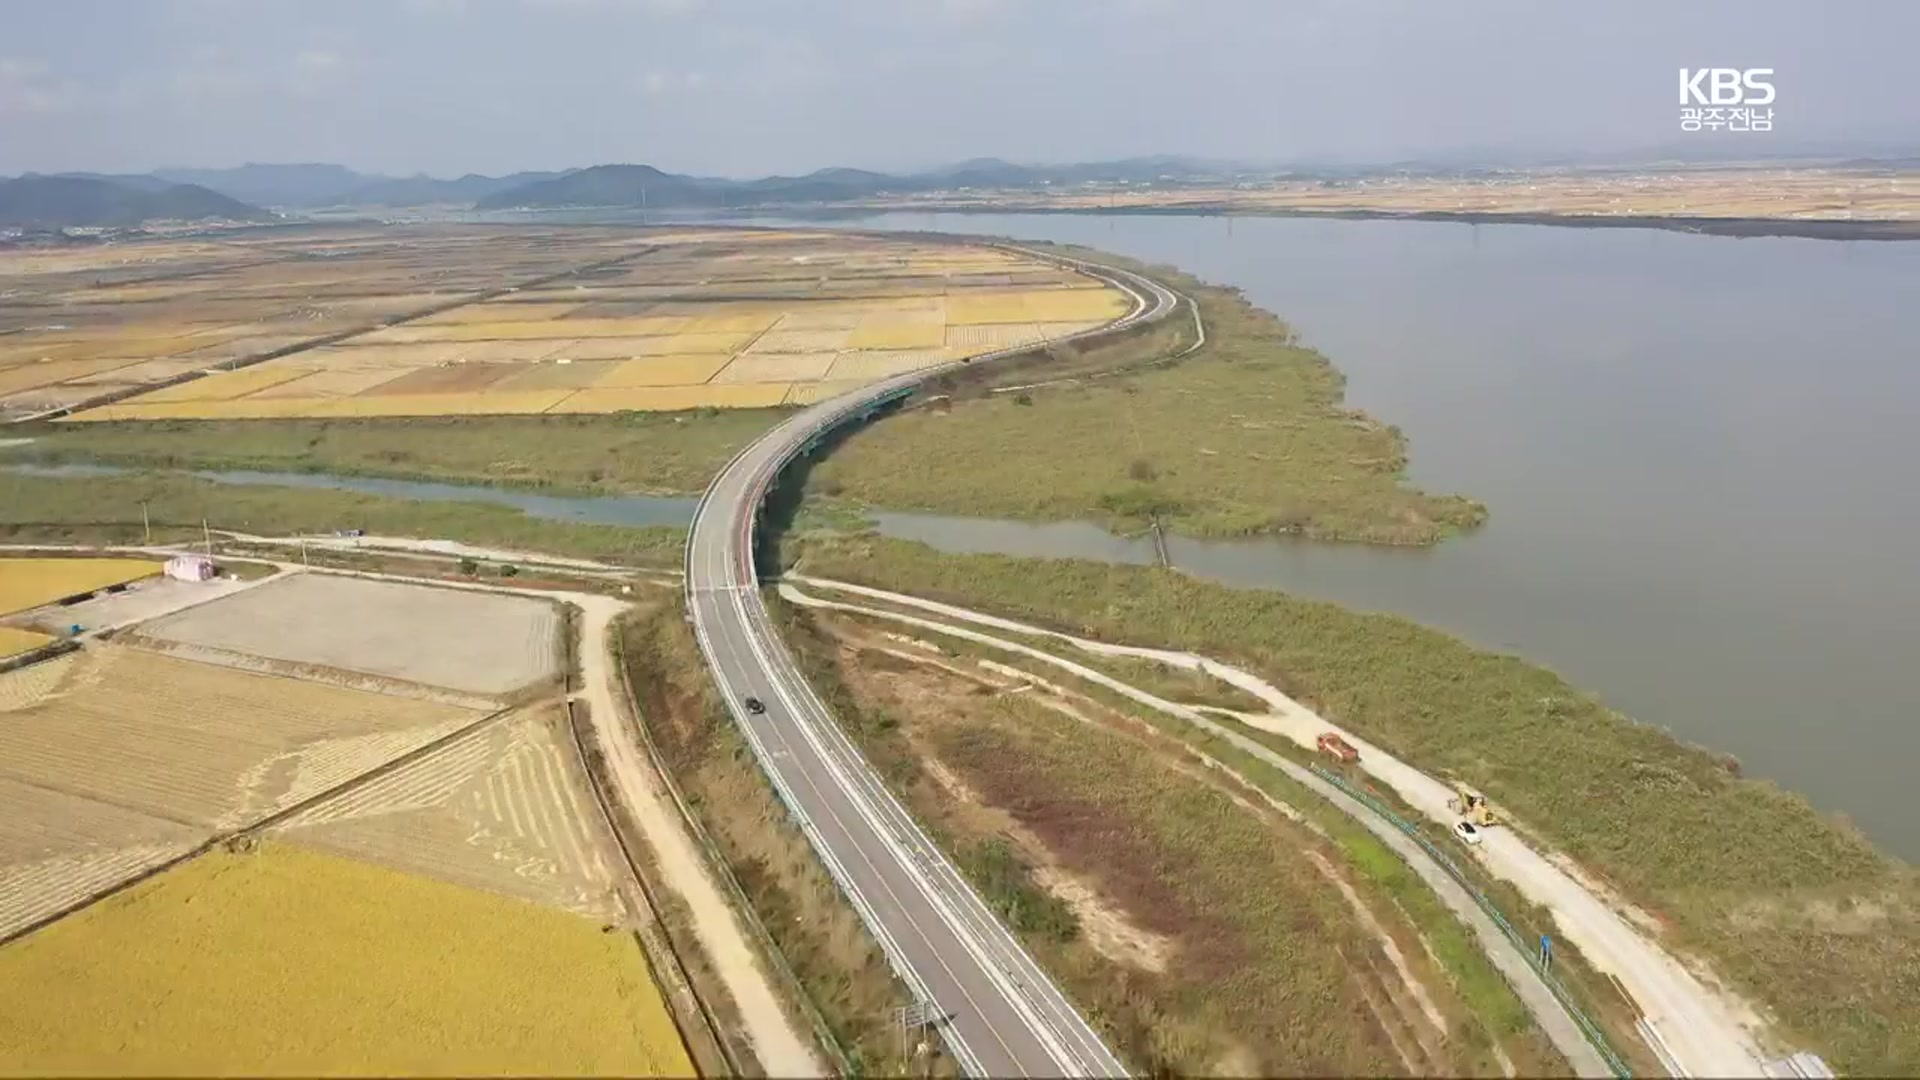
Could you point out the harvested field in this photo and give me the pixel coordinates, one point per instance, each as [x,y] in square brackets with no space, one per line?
[626,348]
[775,367]
[459,639]
[868,366]
[808,393]
[504,810]
[500,311]
[897,335]
[450,379]
[40,373]
[198,744]
[719,296]
[113,760]
[799,341]
[29,583]
[744,322]
[676,398]
[330,384]
[275,963]
[557,375]
[662,371]
[135,372]
[825,315]
[987,336]
[229,385]
[57,849]
[473,404]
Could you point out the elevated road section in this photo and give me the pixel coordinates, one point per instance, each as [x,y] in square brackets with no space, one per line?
[1001,1014]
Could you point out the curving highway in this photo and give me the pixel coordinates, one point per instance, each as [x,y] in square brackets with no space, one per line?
[1002,1015]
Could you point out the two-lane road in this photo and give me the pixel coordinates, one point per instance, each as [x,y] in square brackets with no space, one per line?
[1005,1017]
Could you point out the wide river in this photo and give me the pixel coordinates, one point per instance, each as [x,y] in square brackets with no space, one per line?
[1699,454]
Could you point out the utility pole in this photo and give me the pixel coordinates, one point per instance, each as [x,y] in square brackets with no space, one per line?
[146,523]
[207,535]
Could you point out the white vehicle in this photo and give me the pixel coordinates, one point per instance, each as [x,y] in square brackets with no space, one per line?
[1466,831]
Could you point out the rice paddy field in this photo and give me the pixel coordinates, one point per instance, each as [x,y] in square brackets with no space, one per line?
[505,810]
[14,641]
[29,583]
[465,320]
[114,759]
[422,887]
[287,961]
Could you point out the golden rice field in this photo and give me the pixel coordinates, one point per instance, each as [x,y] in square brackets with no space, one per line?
[286,962]
[28,583]
[13,642]
[387,323]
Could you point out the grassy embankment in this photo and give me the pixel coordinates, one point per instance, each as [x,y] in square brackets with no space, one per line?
[842,971]
[1494,1005]
[1792,907]
[107,509]
[1246,436]
[635,453]
[1203,931]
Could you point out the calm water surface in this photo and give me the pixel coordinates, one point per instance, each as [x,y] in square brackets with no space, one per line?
[1699,454]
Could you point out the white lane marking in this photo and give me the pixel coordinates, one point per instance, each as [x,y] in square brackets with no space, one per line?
[983,933]
[906,913]
[983,937]
[835,867]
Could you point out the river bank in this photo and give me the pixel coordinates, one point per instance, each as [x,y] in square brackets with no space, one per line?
[1795,908]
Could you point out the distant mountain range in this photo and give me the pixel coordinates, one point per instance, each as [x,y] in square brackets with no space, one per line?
[315,186]
[312,186]
[52,202]
[644,185]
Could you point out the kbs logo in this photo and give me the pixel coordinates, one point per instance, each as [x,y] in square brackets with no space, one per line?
[1715,99]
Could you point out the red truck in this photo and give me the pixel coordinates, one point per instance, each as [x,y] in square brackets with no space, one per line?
[1337,748]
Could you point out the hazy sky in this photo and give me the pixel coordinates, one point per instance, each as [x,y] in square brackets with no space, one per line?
[746,87]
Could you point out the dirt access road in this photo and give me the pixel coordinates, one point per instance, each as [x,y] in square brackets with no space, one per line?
[1710,1032]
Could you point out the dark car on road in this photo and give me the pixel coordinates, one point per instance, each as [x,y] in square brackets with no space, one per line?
[756,706]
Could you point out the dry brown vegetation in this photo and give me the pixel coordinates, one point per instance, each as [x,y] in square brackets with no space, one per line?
[1736,870]
[1203,930]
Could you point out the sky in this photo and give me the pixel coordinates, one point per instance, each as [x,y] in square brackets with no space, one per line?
[755,87]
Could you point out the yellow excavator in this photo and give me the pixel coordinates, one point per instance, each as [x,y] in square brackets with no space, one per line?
[1472,806]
